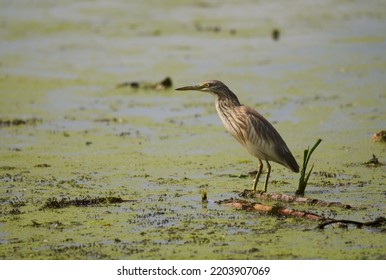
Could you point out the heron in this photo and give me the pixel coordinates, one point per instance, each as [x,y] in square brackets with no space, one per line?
[251,129]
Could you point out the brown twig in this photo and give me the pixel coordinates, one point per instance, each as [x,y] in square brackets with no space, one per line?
[281,211]
[378,222]
[262,208]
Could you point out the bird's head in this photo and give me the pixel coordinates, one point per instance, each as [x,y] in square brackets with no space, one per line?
[212,86]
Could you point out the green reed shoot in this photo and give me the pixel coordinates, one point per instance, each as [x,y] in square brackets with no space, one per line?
[303,180]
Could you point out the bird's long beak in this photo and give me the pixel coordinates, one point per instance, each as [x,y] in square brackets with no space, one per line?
[195,87]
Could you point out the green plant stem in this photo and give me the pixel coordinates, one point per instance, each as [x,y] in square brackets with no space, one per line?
[303,180]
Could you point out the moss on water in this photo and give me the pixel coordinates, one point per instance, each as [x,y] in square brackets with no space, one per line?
[160,150]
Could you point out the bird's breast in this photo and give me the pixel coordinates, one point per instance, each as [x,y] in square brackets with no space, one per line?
[234,122]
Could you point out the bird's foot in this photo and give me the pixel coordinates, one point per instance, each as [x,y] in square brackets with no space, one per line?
[248,193]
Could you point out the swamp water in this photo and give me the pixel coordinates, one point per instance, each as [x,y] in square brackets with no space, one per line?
[68,133]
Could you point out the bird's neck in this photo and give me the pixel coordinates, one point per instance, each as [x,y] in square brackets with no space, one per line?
[227,100]
[225,105]
[228,112]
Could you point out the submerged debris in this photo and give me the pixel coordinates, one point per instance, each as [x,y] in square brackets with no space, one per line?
[379,136]
[162,85]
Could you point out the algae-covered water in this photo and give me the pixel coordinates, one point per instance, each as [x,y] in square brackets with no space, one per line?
[69,135]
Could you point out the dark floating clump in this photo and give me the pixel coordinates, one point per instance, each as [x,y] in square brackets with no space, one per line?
[134,85]
[162,85]
[275,34]
[373,162]
[212,28]
[7,167]
[16,122]
[204,196]
[54,203]
[42,165]
[110,120]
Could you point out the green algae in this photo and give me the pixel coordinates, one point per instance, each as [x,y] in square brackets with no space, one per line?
[160,150]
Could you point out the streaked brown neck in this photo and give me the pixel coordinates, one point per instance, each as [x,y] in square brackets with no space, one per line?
[227,99]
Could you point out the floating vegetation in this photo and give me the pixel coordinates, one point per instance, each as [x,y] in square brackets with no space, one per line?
[373,162]
[162,85]
[54,203]
[6,167]
[204,196]
[212,28]
[110,120]
[58,225]
[42,165]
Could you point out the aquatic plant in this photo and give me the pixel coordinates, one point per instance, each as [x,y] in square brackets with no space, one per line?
[303,180]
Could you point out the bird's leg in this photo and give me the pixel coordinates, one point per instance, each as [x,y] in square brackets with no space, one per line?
[258,175]
[268,173]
